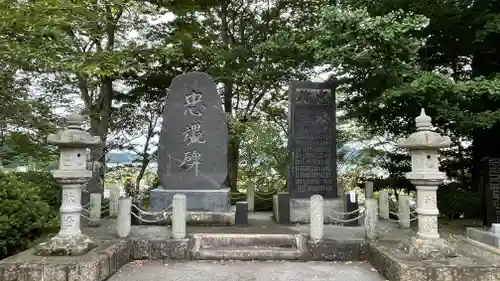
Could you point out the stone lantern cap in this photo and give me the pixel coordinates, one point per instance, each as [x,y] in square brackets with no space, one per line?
[74,136]
[424,137]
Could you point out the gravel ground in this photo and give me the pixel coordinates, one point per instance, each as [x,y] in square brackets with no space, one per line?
[246,271]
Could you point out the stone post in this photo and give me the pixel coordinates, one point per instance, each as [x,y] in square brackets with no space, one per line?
[72,175]
[371,219]
[179,216]
[95,209]
[404,211]
[114,195]
[251,196]
[316,219]
[368,190]
[425,175]
[383,204]
[124,221]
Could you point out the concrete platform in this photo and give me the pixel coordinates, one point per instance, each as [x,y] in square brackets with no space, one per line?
[246,271]
[339,244]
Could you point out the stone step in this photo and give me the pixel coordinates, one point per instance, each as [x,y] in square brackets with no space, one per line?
[216,240]
[229,246]
[248,253]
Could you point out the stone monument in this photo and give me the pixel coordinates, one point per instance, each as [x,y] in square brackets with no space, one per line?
[490,184]
[72,175]
[425,175]
[490,195]
[312,149]
[192,152]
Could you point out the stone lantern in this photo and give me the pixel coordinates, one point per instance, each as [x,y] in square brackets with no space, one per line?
[72,175]
[425,175]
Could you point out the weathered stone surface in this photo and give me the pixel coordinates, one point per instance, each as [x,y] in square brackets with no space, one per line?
[299,210]
[66,246]
[312,141]
[193,142]
[428,248]
[197,200]
[334,250]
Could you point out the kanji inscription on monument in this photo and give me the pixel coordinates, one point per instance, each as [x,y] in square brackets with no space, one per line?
[193,142]
[491,190]
[311,141]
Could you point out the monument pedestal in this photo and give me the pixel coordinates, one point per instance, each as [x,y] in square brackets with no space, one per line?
[196,199]
[299,210]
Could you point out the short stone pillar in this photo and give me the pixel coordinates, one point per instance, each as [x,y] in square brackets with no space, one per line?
[114,195]
[316,220]
[371,219]
[72,175]
[368,190]
[95,209]
[124,221]
[383,204]
[404,211]
[251,196]
[425,175]
[179,216]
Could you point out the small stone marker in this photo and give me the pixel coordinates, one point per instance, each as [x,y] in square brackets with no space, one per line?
[404,211]
[316,212]
[123,224]
[95,209]
[251,196]
[371,219]
[241,216]
[383,202]
[350,205]
[113,202]
[179,217]
[192,150]
[368,190]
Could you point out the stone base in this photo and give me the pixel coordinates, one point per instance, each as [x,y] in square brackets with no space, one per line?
[299,210]
[425,249]
[66,246]
[196,200]
[487,237]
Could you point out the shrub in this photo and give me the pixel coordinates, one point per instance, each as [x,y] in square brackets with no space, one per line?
[48,188]
[24,215]
[454,202]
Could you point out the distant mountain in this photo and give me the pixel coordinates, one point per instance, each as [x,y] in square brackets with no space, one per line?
[122,157]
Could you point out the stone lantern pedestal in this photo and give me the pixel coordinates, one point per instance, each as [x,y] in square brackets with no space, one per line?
[72,175]
[425,175]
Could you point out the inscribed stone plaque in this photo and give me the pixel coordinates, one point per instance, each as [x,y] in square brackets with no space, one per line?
[490,177]
[192,152]
[311,141]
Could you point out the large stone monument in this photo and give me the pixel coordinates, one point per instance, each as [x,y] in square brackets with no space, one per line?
[312,149]
[490,188]
[73,175]
[192,153]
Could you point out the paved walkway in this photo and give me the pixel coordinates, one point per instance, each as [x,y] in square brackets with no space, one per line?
[245,271]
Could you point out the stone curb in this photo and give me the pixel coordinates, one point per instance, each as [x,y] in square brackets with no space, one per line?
[100,264]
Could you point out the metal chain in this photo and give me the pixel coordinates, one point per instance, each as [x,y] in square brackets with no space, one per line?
[145,220]
[347,220]
[152,213]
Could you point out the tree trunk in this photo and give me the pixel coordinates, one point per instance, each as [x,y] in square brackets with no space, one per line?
[100,114]
[233,156]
